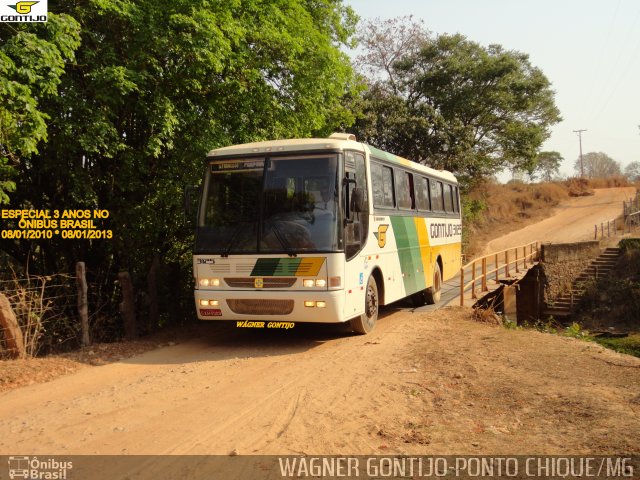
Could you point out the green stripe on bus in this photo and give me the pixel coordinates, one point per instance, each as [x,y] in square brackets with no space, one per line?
[275,267]
[382,155]
[406,236]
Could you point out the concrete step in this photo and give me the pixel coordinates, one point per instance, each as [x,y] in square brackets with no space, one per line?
[567,298]
[599,268]
[604,263]
[558,305]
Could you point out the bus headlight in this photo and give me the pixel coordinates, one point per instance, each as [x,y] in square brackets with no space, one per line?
[310,283]
[209,303]
[209,282]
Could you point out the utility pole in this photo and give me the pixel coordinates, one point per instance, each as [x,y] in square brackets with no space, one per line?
[579,132]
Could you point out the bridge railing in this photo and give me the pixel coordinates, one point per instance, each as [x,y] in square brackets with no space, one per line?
[632,220]
[493,264]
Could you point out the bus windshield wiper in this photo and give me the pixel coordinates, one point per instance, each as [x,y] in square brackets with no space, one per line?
[235,234]
[283,242]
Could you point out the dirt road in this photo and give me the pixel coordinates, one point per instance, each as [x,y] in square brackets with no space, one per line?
[421,383]
[572,221]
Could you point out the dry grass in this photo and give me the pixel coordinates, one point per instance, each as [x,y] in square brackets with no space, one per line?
[578,187]
[609,182]
[508,207]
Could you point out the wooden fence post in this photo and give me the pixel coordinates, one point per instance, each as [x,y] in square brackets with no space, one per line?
[128,306]
[12,334]
[83,305]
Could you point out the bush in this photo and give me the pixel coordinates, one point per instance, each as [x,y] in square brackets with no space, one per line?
[628,244]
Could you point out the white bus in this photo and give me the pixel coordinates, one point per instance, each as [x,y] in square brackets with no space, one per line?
[321,230]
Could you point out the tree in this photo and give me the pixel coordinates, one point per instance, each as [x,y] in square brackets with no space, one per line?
[597,165]
[156,85]
[547,165]
[386,42]
[32,61]
[459,105]
[632,171]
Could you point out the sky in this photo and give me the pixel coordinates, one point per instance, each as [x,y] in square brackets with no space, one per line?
[588,49]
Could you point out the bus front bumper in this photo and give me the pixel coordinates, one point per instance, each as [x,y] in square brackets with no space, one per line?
[286,306]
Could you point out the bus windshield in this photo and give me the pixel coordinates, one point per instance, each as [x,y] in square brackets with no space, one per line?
[270,205]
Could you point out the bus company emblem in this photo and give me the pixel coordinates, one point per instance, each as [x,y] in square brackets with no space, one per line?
[23,8]
[23,11]
[381,235]
[258,283]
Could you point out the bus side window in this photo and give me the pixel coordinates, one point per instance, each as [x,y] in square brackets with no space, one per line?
[436,196]
[387,188]
[448,198]
[422,194]
[376,184]
[404,190]
[355,231]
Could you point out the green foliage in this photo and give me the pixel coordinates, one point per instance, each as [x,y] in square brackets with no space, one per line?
[628,244]
[575,331]
[510,324]
[547,165]
[154,86]
[32,61]
[457,105]
[629,344]
[472,209]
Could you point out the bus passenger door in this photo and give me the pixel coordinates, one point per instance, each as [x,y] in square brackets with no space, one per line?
[355,234]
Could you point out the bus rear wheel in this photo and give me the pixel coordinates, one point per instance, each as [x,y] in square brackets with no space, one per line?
[364,323]
[434,292]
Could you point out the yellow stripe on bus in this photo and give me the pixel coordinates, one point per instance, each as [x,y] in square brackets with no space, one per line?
[309,266]
[425,249]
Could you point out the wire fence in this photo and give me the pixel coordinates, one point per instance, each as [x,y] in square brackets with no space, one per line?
[46,309]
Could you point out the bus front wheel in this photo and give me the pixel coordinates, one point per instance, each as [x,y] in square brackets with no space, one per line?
[434,292]
[364,323]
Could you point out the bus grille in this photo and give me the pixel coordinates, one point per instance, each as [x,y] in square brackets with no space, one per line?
[249,282]
[260,307]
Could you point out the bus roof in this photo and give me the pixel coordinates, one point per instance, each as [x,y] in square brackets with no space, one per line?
[337,141]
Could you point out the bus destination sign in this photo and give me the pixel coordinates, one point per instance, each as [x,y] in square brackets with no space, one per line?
[229,166]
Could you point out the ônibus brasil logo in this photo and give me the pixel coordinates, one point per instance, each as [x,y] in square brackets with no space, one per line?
[23,11]
[32,468]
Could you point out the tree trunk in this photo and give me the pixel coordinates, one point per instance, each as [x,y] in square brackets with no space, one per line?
[12,334]
[83,306]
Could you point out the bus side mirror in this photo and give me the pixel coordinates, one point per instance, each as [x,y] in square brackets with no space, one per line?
[357,200]
[190,204]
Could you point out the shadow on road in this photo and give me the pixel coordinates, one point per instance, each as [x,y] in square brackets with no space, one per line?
[218,341]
